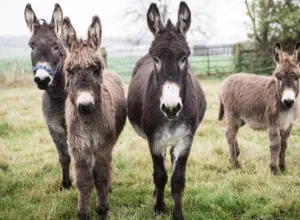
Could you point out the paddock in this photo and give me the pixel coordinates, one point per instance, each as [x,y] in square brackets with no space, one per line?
[30,173]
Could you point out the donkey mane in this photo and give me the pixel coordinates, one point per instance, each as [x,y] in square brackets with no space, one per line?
[83,56]
[44,22]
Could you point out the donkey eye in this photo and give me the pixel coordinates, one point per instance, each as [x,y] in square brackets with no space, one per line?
[55,49]
[156,60]
[96,73]
[183,60]
[70,73]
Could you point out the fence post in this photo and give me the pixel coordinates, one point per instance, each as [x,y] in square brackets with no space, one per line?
[207,55]
[237,58]
[104,55]
[15,70]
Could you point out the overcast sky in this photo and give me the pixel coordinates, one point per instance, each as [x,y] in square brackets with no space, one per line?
[226,17]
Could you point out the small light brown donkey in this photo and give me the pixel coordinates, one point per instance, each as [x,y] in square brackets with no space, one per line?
[95,115]
[263,103]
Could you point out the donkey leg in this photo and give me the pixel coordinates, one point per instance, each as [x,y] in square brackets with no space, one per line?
[241,123]
[160,178]
[237,148]
[275,145]
[164,155]
[231,132]
[60,140]
[84,183]
[102,172]
[179,155]
[284,143]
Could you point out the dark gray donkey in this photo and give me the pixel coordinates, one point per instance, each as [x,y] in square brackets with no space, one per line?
[47,58]
[166,103]
[268,103]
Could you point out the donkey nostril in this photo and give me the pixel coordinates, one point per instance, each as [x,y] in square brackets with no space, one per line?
[47,80]
[37,80]
[178,107]
[164,108]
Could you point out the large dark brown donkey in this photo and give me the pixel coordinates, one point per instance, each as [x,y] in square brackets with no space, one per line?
[263,103]
[166,103]
[95,115]
[47,58]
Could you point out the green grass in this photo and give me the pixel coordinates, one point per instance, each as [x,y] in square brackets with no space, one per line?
[30,173]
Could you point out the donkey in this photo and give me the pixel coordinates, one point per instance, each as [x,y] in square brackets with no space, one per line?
[263,103]
[47,58]
[95,115]
[166,103]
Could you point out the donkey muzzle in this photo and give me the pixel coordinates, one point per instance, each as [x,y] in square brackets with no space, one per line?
[42,79]
[170,100]
[288,97]
[85,102]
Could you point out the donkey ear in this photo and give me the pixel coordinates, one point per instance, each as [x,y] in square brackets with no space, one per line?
[153,19]
[277,51]
[68,34]
[57,19]
[184,18]
[297,53]
[95,33]
[30,18]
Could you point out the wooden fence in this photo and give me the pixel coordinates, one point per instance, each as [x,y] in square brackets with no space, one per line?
[205,61]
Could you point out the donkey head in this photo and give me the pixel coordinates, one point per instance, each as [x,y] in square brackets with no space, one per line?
[170,53]
[83,66]
[47,51]
[287,74]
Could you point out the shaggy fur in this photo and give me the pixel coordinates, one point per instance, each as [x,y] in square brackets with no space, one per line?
[92,135]
[44,42]
[167,64]
[257,101]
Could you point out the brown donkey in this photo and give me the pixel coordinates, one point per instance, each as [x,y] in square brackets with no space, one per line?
[95,115]
[263,103]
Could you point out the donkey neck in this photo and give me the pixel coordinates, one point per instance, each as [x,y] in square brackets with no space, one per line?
[57,90]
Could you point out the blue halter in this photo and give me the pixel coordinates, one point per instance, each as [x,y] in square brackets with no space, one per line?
[47,68]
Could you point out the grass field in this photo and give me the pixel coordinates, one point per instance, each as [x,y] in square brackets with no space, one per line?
[30,173]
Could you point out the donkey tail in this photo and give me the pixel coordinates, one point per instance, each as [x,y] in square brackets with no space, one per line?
[221,111]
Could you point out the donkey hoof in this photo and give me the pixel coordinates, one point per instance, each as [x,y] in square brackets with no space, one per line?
[274,170]
[110,189]
[177,215]
[65,185]
[237,165]
[159,208]
[102,212]
[154,193]
[82,216]
[102,216]
[282,168]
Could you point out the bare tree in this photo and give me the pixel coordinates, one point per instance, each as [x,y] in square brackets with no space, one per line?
[260,14]
[136,17]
